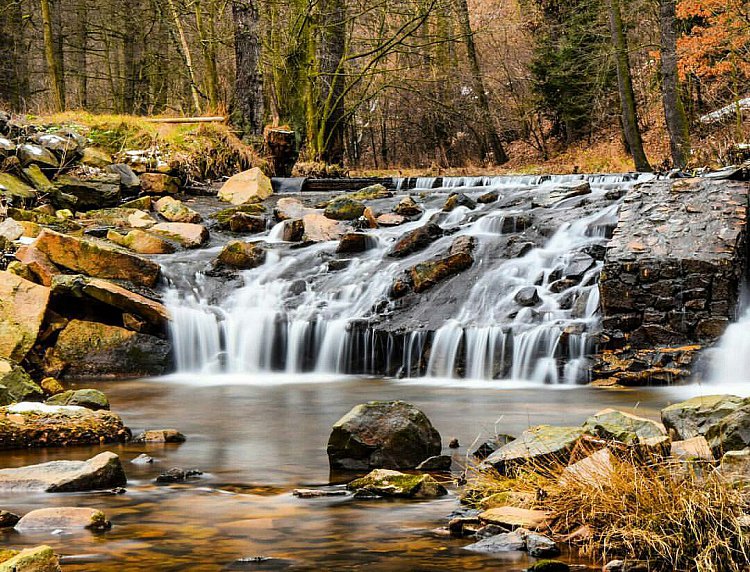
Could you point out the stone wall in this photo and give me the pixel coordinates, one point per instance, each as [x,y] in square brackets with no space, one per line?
[672,276]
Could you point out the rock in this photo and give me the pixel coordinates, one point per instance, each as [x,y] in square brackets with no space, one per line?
[436,463]
[7,147]
[38,155]
[289,208]
[38,263]
[93,350]
[408,207]
[37,179]
[112,295]
[577,266]
[141,204]
[8,519]
[463,245]
[243,255]
[16,385]
[514,517]
[389,434]
[316,493]
[548,566]
[97,259]
[22,308]
[387,483]
[593,471]
[368,219]
[458,200]
[66,146]
[141,242]
[176,211]
[527,297]
[376,191]
[540,546]
[129,181]
[189,235]
[89,398]
[250,186]
[95,157]
[344,208]
[426,274]
[416,240]
[160,436]
[93,193]
[490,446]
[693,418]
[487,198]
[565,191]
[13,188]
[37,559]
[246,223]
[353,242]
[143,459]
[319,228]
[695,448]
[177,475]
[11,230]
[63,518]
[103,471]
[293,230]
[117,217]
[543,445]
[390,219]
[732,433]
[51,386]
[159,184]
[624,427]
[503,542]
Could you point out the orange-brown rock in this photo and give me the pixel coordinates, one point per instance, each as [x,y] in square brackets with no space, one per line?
[22,308]
[38,263]
[187,234]
[141,242]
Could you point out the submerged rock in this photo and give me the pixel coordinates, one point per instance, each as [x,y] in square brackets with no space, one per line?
[22,308]
[63,518]
[103,471]
[250,186]
[177,475]
[694,417]
[160,436]
[389,434]
[387,483]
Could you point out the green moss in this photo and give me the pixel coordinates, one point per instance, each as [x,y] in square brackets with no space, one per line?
[223,216]
[549,566]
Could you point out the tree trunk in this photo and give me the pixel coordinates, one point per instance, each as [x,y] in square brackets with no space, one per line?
[205,37]
[490,146]
[184,49]
[55,73]
[674,111]
[14,89]
[625,84]
[249,108]
[79,54]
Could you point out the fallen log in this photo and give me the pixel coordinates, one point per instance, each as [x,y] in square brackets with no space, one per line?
[216,119]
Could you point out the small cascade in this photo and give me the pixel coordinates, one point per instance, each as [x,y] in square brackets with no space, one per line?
[730,359]
[528,316]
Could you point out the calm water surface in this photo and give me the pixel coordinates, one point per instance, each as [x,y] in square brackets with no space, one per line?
[258,439]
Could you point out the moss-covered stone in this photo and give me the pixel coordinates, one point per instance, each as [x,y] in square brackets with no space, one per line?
[176,211]
[13,188]
[22,307]
[623,427]
[344,208]
[388,483]
[426,274]
[376,191]
[549,566]
[694,417]
[89,398]
[243,255]
[37,179]
[16,385]
[225,215]
[141,203]
[38,559]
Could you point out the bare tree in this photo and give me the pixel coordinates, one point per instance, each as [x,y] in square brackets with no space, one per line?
[249,107]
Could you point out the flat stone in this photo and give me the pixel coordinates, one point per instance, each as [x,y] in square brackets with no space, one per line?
[141,242]
[695,448]
[319,228]
[160,436]
[189,235]
[38,263]
[384,482]
[103,471]
[503,542]
[513,517]
[89,398]
[594,471]
[316,493]
[63,518]
[622,426]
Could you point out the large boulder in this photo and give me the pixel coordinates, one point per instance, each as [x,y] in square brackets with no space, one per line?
[103,471]
[344,208]
[319,228]
[176,211]
[94,193]
[694,417]
[624,427]
[387,483]
[37,559]
[159,184]
[29,153]
[189,235]
[416,240]
[16,385]
[426,274]
[141,242]
[382,434]
[97,258]
[541,446]
[87,350]
[22,308]
[732,433]
[89,398]
[250,186]
[289,208]
[63,518]
[243,255]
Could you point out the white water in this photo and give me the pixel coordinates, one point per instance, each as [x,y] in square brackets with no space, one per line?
[730,359]
[294,315]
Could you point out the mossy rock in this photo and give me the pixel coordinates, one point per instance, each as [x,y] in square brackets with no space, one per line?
[384,482]
[13,188]
[37,179]
[225,215]
[694,417]
[89,398]
[623,427]
[243,255]
[344,208]
[38,559]
[372,192]
[549,566]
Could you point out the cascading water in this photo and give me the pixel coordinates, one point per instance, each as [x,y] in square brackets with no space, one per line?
[310,310]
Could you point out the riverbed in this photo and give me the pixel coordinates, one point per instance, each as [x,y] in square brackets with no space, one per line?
[258,438]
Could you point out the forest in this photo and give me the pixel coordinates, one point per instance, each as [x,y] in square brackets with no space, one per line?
[401,83]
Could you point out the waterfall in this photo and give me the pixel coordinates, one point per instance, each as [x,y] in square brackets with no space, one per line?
[311,310]
[730,359]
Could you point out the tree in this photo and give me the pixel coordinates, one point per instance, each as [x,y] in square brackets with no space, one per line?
[14,88]
[674,111]
[249,107]
[54,70]
[625,85]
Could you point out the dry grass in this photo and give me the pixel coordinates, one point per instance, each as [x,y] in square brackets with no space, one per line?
[676,517]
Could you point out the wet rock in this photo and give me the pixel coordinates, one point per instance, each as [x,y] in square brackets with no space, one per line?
[577,266]
[376,191]
[178,475]
[565,191]
[97,259]
[387,483]
[353,242]
[540,546]
[316,493]
[416,240]
[732,433]
[542,445]
[458,200]
[514,517]
[344,208]
[37,559]
[243,255]
[13,188]
[319,228]
[293,230]
[426,274]
[63,518]
[103,471]
[503,542]
[176,211]
[38,263]
[16,385]
[487,198]
[623,427]
[246,223]
[89,398]
[143,459]
[437,463]
[93,350]
[8,519]
[159,184]
[141,242]
[93,193]
[527,297]
[289,208]
[160,436]
[251,186]
[390,219]
[549,566]
[36,154]
[141,204]
[22,308]
[408,207]
[694,417]
[490,446]
[188,235]
[389,434]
